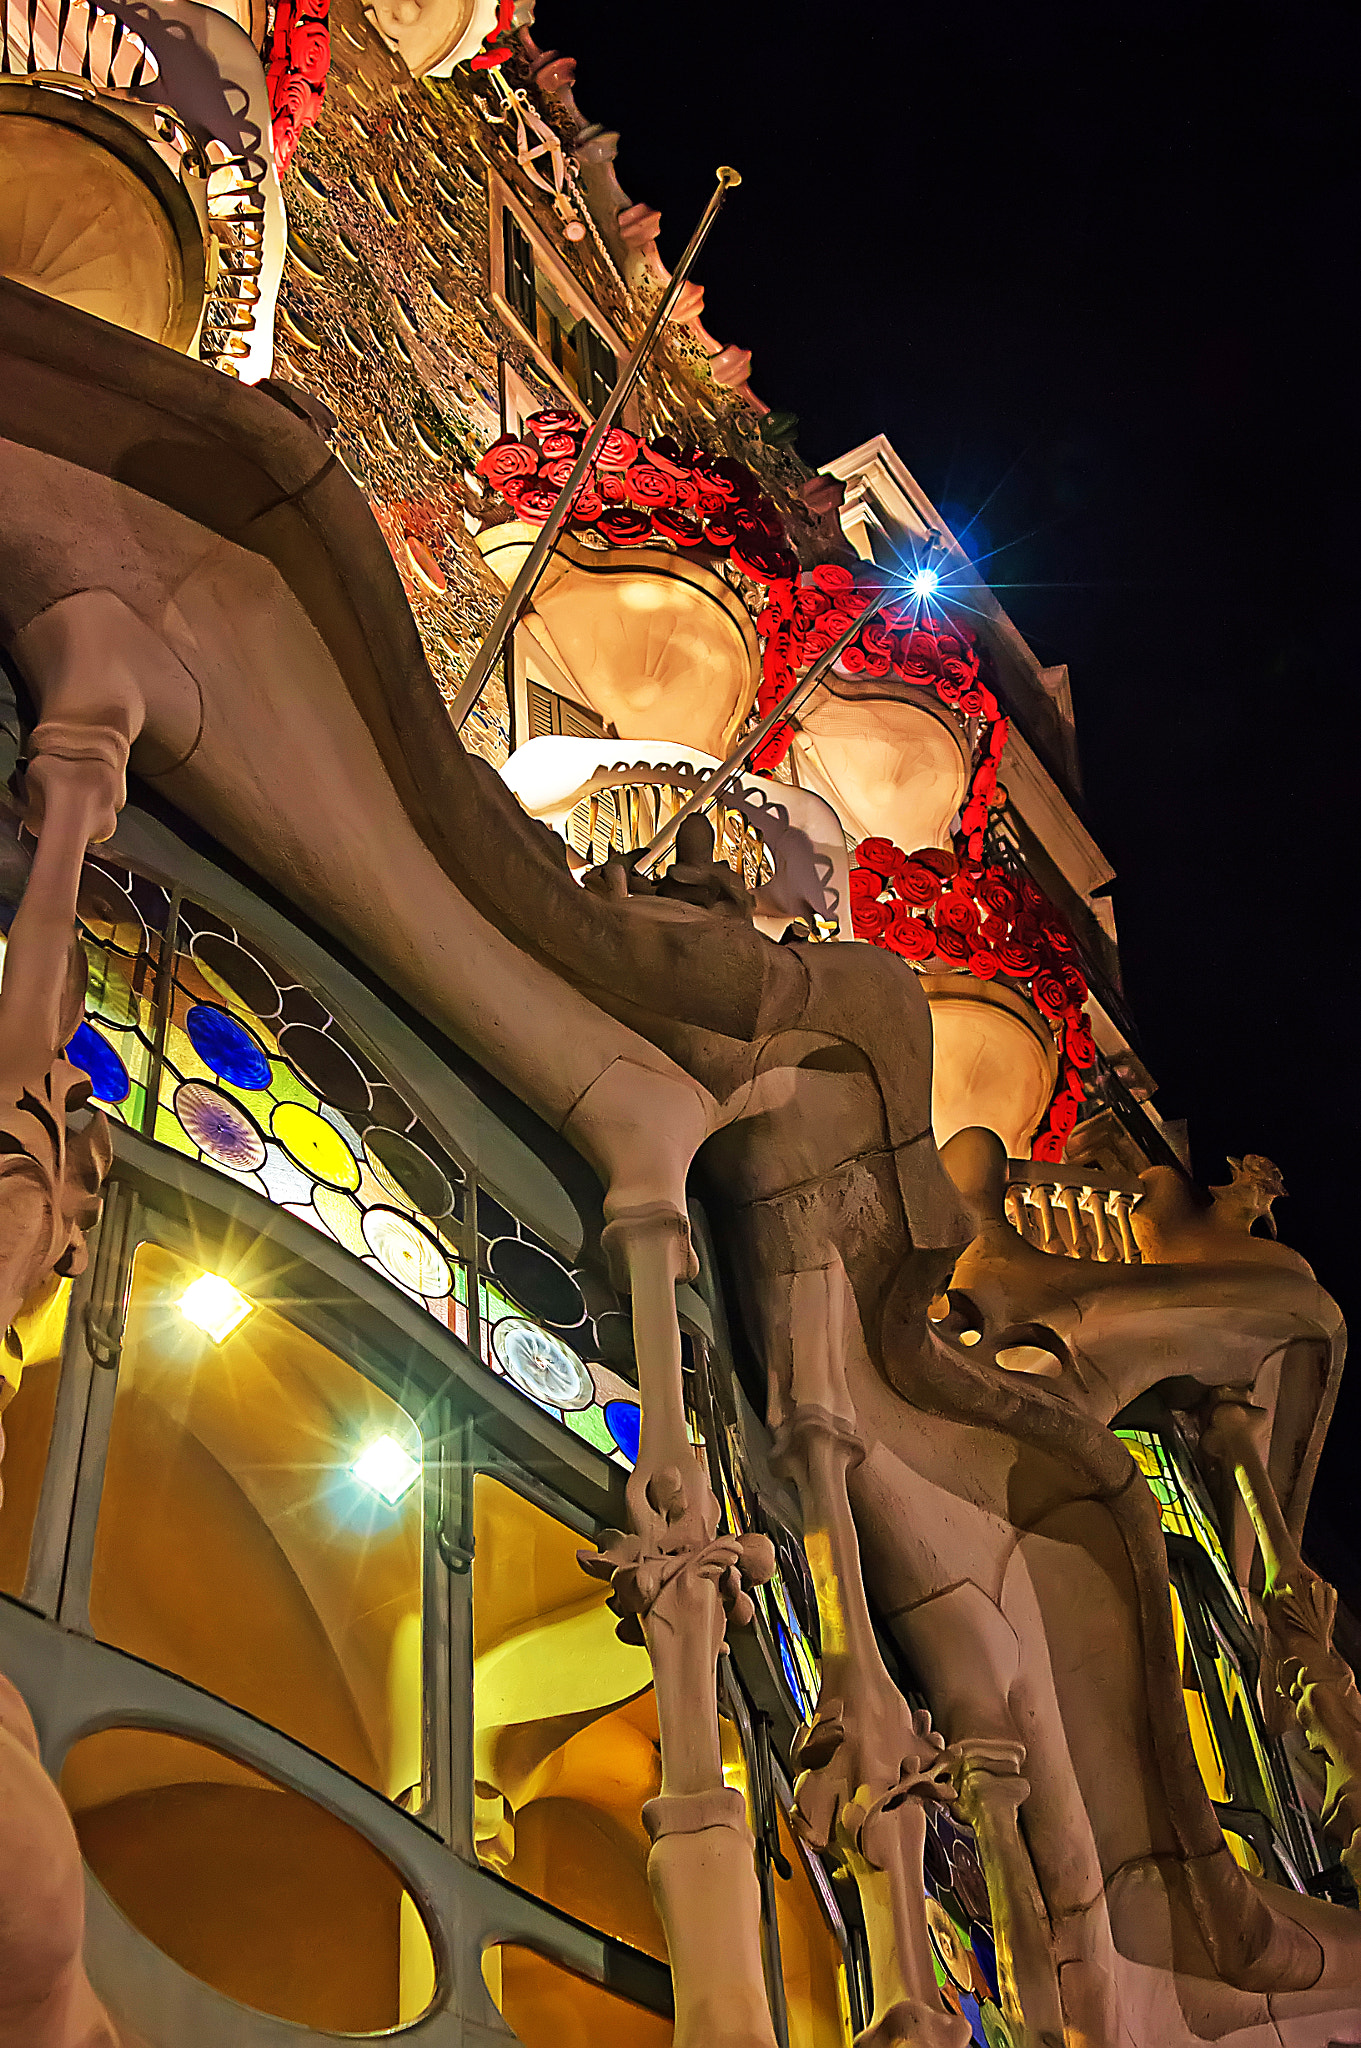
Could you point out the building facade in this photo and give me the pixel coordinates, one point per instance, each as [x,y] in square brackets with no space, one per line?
[623,1423]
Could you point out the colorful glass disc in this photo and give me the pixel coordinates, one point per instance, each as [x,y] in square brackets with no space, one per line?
[542,1366]
[403,1250]
[92,1053]
[219,1127]
[227,1047]
[315,1144]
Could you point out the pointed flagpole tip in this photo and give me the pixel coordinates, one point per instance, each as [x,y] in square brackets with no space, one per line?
[726,175]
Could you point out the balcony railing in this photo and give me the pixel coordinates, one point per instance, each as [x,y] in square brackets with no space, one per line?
[1073,1212]
[82,50]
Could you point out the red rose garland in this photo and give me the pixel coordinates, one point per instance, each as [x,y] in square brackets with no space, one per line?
[933,904]
[296,65]
[639,491]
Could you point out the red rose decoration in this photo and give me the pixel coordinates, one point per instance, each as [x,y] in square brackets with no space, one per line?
[1075,985]
[687,492]
[832,577]
[557,473]
[644,485]
[953,946]
[955,913]
[506,459]
[666,456]
[866,887]
[554,419]
[1079,1044]
[970,701]
[877,664]
[1032,895]
[623,526]
[1059,939]
[721,473]
[721,530]
[983,965]
[618,449]
[610,485]
[870,920]
[554,446]
[1015,959]
[917,884]
[996,894]
[993,930]
[880,854]
[534,500]
[673,523]
[1063,1115]
[588,507]
[852,659]
[939,859]
[1049,994]
[911,936]
[1049,1147]
[767,561]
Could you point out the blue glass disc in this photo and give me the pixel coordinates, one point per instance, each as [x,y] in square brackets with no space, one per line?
[227,1047]
[624,1421]
[109,1081]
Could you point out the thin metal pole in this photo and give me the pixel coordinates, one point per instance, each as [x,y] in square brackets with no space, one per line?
[709,791]
[522,589]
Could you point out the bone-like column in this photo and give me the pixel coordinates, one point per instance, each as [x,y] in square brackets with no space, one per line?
[50,1177]
[867,1764]
[991,1794]
[1299,1608]
[676,1585]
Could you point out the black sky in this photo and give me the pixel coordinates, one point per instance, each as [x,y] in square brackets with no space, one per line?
[1088,267]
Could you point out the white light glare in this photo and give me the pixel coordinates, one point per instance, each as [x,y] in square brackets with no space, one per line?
[386,1469]
[214,1306]
[925,583]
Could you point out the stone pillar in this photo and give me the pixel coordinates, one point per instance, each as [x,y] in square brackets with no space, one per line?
[676,1584]
[867,1765]
[1299,1608]
[50,1176]
[991,1794]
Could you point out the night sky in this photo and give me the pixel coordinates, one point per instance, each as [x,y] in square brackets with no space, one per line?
[1086,267]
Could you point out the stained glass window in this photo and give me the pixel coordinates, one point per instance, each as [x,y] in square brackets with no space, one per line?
[254,1077]
[959,1919]
[1183,1513]
[556,1332]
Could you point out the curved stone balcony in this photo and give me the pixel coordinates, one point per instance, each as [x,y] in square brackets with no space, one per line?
[164,219]
[890,758]
[995,1064]
[603,798]
[660,647]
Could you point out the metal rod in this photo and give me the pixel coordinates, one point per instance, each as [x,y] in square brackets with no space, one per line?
[707,792]
[532,568]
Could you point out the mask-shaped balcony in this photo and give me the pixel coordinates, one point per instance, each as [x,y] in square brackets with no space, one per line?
[891,759]
[136,178]
[995,1060]
[658,646]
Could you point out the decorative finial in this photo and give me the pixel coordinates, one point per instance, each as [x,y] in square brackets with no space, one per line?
[1257,1183]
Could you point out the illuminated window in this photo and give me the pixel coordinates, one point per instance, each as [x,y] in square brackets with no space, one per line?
[27,1423]
[811,1961]
[253,1889]
[548,2006]
[235,1545]
[566,1749]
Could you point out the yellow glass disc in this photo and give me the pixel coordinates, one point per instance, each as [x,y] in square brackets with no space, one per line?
[316,1145]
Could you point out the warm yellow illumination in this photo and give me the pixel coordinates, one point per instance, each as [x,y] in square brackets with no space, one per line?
[386,1469]
[214,1306]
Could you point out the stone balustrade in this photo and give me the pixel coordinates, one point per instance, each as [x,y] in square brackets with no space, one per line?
[1074,1212]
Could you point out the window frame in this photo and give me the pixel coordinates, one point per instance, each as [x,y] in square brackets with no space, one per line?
[503,204]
